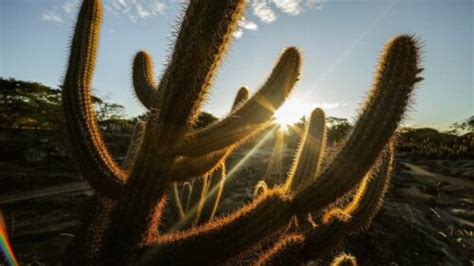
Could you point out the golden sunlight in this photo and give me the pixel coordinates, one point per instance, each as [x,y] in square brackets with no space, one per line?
[291,112]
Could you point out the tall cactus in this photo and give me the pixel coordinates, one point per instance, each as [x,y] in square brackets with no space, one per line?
[170,150]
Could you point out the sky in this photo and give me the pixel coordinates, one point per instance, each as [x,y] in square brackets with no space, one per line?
[340,41]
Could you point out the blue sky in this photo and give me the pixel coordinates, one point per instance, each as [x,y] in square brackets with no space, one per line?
[340,41]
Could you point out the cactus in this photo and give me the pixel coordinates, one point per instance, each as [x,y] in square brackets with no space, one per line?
[260,188]
[344,260]
[170,150]
[205,197]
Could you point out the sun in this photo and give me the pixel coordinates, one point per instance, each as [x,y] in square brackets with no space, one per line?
[291,112]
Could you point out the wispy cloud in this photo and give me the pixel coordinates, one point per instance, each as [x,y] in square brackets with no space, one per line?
[317,4]
[248,25]
[292,7]
[244,24]
[238,33]
[134,9]
[264,9]
[52,16]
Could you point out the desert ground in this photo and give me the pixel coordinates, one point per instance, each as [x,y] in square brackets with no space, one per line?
[427,218]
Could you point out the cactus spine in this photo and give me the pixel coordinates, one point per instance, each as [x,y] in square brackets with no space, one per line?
[173,151]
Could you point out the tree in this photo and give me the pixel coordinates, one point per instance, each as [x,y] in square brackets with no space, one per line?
[25,104]
[466,125]
[29,104]
[338,128]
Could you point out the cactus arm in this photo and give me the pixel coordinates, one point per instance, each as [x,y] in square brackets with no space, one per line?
[213,195]
[204,36]
[260,188]
[357,214]
[285,251]
[338,223]
[143,79]
[308,157]
[178,203]
[250,116]
[344,260]
[182,199]
[394,82]
[241,97]
[223,236]
[200,188]
[198,166]
[188,167]
[187,191]
[87,146]
[371,193]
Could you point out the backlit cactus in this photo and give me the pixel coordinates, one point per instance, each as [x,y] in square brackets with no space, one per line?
[169,150]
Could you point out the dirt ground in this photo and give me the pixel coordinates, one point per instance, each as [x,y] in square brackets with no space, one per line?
[427,219]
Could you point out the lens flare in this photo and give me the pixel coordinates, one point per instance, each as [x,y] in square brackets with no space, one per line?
[5,247]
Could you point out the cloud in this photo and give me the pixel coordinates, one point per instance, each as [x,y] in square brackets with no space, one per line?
[136,9]
[238,33]
[317,4]
[52,16]
[291,7]
[133,9]
[244,24]
[262,10]
[70,6]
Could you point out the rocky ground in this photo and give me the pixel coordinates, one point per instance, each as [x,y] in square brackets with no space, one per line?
[427,219]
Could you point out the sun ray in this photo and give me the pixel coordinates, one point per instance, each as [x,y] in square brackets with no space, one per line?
[274,166]
[230,176]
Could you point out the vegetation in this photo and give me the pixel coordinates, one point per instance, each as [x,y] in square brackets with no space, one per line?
[29,104]
[25,104]
[124,229]
[431,144]
[466,125]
